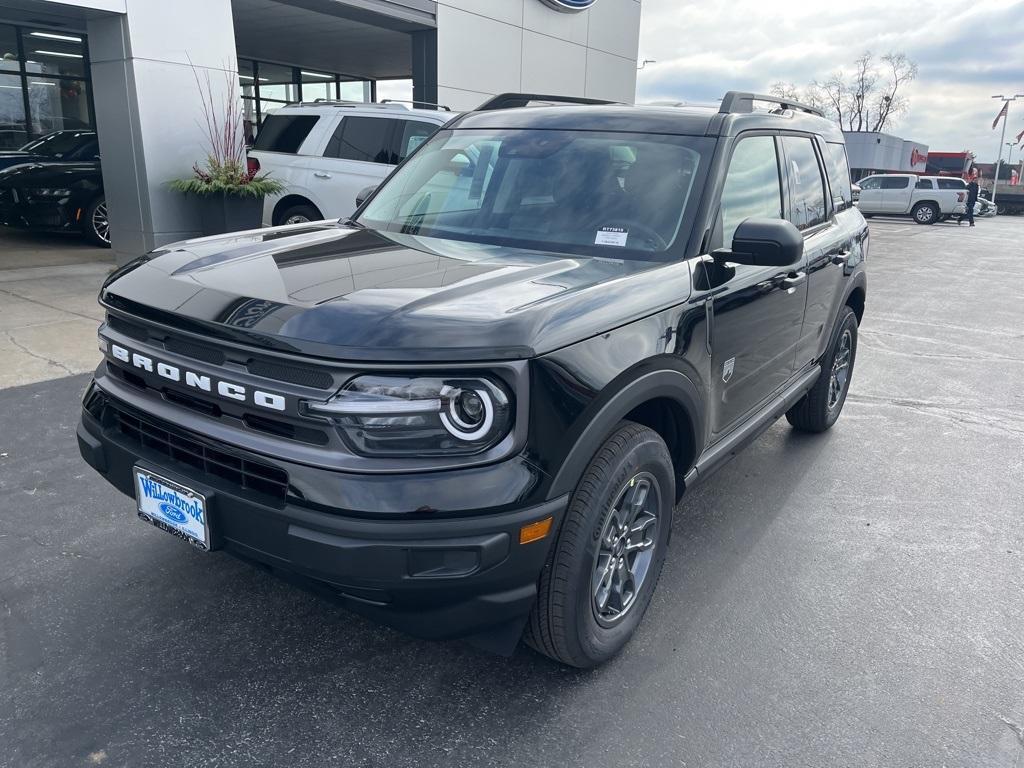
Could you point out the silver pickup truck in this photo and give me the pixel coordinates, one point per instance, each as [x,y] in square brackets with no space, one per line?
[927,199]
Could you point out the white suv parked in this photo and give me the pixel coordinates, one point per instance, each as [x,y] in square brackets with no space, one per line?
[326,152]
[927,199]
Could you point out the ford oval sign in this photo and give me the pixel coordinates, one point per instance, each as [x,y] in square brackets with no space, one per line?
[172,513]
[569,6]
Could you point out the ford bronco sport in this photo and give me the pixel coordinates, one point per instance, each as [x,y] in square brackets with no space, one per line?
[470,410]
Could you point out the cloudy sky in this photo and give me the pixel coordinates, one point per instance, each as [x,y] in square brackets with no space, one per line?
[966,52]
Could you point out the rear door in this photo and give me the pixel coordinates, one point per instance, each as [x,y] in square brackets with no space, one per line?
[362,151]
[283,139]
[896,193]
[827,243]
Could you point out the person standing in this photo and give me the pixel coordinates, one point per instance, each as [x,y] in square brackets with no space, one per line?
[972,198]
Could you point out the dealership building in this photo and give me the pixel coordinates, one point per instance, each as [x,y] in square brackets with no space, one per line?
[130,68]
[873,152]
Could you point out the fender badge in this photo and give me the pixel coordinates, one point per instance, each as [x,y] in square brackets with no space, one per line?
[728,368]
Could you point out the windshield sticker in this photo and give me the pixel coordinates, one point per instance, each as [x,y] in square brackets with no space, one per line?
[616,236]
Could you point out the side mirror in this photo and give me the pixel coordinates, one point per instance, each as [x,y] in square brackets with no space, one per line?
[764,243]
[364,193]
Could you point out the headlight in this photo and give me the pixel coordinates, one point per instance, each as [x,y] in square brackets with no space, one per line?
[423,416]
[50,192]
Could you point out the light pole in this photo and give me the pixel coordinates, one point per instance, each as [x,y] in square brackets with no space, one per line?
[645,63]
[1002,139]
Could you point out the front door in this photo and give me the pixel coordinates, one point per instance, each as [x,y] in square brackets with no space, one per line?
[757,312]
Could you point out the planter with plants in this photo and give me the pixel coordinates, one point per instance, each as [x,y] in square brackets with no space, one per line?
[230,194]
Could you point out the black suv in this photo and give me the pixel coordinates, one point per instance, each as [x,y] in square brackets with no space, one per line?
[470,410]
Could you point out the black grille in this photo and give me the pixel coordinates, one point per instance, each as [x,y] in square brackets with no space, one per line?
[128,329]
[195,351]
[306,377]
[184,448]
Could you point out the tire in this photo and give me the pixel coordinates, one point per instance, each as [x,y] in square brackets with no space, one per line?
[566,622]
[821,406]
[925,213]
[867,215]
[96,222]
[299,214]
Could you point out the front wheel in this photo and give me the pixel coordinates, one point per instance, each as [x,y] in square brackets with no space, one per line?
[821,406]
[96,222]
[605,564]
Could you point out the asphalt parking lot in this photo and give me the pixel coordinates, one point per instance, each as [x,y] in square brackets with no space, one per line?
[851,599]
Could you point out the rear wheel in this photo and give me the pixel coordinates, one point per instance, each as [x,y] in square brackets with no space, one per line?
[605,564]
[925,213]
[96,222]
[821,406]
[299,214]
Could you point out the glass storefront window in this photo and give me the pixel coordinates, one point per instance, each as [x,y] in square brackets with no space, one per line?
[277,83]
[354,91]
[58,104]
[8,50]
[13,133]
[53,53]
[317,85]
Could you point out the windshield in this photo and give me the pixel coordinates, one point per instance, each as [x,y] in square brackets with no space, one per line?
[60,143]
[621,195]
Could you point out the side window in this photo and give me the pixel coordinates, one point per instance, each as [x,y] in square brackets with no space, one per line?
[959,184]
[410,134]
[924,184]
[806,190]
[839,176]
[871,183]
[285,133]
[362,138]
[752,186]
[895,182]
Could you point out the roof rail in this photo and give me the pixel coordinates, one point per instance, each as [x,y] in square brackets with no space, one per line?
[737,102]
[517,100]
[343,103]
[445,107]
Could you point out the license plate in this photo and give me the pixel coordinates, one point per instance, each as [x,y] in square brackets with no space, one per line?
[172,507]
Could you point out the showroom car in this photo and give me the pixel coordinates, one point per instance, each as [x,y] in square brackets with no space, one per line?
[59,145]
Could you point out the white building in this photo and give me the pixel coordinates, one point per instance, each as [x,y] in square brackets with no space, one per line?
[129,67]
[873,152]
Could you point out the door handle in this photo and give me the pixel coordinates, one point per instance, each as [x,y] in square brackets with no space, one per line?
[839,257]
[322,175]
[793,279]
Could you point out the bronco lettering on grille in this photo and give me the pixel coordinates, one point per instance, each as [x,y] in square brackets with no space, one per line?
[225,389]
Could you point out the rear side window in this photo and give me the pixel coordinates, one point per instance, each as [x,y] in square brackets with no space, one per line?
[752,186]
[367,139]
[895,182]
[924,184]
[839,176]
[952,184]
[806,189]
[284,133]
[873,183]
[410,135]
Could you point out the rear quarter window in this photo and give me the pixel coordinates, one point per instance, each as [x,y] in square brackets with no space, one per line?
[839,176]
[284,133]
[895,182]
[959,184]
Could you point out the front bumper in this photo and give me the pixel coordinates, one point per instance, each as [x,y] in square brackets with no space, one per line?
[435,578]
[45,215]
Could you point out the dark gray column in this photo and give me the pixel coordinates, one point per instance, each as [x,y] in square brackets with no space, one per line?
[424,66]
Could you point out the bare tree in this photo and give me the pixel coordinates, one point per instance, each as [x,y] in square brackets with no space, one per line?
[867,99]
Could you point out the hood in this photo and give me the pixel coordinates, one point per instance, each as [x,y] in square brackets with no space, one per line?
[353,294]
[48,173]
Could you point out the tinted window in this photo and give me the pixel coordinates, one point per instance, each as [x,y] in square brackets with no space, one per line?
[362,138]
[62,143]
[895,182]
[839,176]
[752,186]
[924,184]
[410,135]
[873,183]
[952,184]
[806,189]
[284,133]
[617,195]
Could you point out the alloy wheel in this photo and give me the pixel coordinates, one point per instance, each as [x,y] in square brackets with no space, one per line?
[297,218]
[100,222]
[626,549]
[840,374]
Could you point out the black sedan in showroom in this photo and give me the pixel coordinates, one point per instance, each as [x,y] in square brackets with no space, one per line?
[56,195]
[60,145]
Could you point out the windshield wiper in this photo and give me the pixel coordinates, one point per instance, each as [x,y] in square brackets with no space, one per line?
[351,223]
